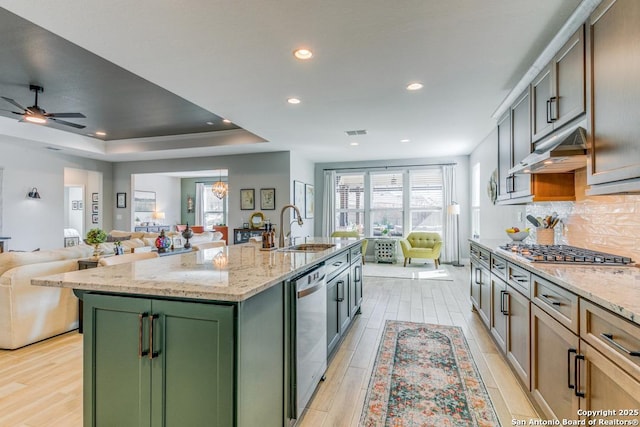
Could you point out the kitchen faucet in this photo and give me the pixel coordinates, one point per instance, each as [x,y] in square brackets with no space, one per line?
[284,208]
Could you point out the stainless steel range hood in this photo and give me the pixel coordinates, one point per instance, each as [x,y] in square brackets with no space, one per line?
[564,151]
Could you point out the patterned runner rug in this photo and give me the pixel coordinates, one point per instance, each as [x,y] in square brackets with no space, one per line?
[424,375]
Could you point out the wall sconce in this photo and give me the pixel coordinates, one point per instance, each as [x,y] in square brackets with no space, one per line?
[33,194]
[189,204]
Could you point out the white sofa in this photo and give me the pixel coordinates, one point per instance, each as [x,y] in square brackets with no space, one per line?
[32,313]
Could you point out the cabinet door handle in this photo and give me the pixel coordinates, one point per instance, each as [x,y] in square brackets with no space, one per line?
[340,285]
[549,110]
[152,353]
[553,109]
[550,298]
[576,373]
[478,282]
[610,340]
[505,303]
[569,352]
[357,274]
[141,353]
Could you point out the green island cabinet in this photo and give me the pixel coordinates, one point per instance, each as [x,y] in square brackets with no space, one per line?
[171,362]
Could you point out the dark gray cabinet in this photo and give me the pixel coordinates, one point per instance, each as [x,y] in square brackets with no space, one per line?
[614,49]
[344,294]
[558,92]
[514,144]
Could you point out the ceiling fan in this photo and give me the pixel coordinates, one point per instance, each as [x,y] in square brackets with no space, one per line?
[36,114]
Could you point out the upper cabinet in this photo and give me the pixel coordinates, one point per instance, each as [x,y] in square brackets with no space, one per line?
[514,144]
[558,92]
[613,42]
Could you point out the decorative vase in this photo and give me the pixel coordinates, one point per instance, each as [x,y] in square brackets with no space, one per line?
[96,250]
[162,242]
[187,234]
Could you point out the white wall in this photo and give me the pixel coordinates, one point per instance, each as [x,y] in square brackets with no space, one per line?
[462,192]
[167,189]
[39,223]
[265,170]
[494,219]
[302,170]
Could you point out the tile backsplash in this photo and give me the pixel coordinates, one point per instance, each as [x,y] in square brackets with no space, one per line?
[606,223]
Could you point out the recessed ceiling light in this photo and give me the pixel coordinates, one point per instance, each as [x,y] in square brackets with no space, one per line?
[293,101]
[101,133]
[354,143]
[405,140]
[226,120]
[210,123]
[548,162]
[526,170]
[414,86]
[302,53]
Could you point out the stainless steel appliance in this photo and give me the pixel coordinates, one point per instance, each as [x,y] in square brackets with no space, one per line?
[565,254]
[310,349]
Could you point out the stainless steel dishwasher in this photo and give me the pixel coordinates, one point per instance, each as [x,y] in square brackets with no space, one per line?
[310,349]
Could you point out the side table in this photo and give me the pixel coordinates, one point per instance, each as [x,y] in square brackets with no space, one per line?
[384,250]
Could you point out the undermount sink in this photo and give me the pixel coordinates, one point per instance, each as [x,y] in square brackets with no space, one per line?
[308,247]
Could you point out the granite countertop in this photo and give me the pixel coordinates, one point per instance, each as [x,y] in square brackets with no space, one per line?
[612,287]
[231,273]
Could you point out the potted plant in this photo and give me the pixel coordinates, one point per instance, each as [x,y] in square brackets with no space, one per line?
[95,236]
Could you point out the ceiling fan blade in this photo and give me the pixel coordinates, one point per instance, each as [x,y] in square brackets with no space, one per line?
[11,101]
[67,115]
[62,122]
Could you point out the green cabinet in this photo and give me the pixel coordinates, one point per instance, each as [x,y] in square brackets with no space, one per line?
[157,362]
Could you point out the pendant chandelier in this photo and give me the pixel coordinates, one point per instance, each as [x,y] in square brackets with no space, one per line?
[220,189]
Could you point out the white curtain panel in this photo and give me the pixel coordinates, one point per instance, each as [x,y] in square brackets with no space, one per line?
[449,238]
[199,203]
[328,203]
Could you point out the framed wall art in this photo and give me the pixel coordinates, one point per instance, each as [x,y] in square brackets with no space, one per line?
[267,199]
[309,201]
[247,199]
[298,196]
[94,197]
[94,219]
[121,200]
[94,208]
[74,205]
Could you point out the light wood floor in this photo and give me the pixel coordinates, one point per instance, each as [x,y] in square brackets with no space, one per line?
[41,384]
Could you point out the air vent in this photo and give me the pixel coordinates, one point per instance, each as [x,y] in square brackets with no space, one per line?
[355,132]
[54,149]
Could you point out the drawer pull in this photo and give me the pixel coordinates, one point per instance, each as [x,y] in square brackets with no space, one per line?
[610,340]
[152,353]
[550,298]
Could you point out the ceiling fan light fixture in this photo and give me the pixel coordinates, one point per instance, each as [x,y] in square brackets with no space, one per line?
[35,119]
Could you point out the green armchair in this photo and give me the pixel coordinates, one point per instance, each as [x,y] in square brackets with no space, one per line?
[421,244]
[347,234]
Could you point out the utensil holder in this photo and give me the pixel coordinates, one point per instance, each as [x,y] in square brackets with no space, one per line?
[544,236]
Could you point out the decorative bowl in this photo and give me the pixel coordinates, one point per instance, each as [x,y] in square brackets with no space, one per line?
[518,236]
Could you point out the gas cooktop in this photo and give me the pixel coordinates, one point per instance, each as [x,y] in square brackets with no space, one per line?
[564,254]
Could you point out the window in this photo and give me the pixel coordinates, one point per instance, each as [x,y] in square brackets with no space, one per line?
[214,209]
[350,202]
[391,202]
[387,203]
[426,200]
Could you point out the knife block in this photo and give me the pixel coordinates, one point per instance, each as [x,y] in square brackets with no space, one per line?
[545,236]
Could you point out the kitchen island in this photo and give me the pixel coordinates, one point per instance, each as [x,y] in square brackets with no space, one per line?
[201,338]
